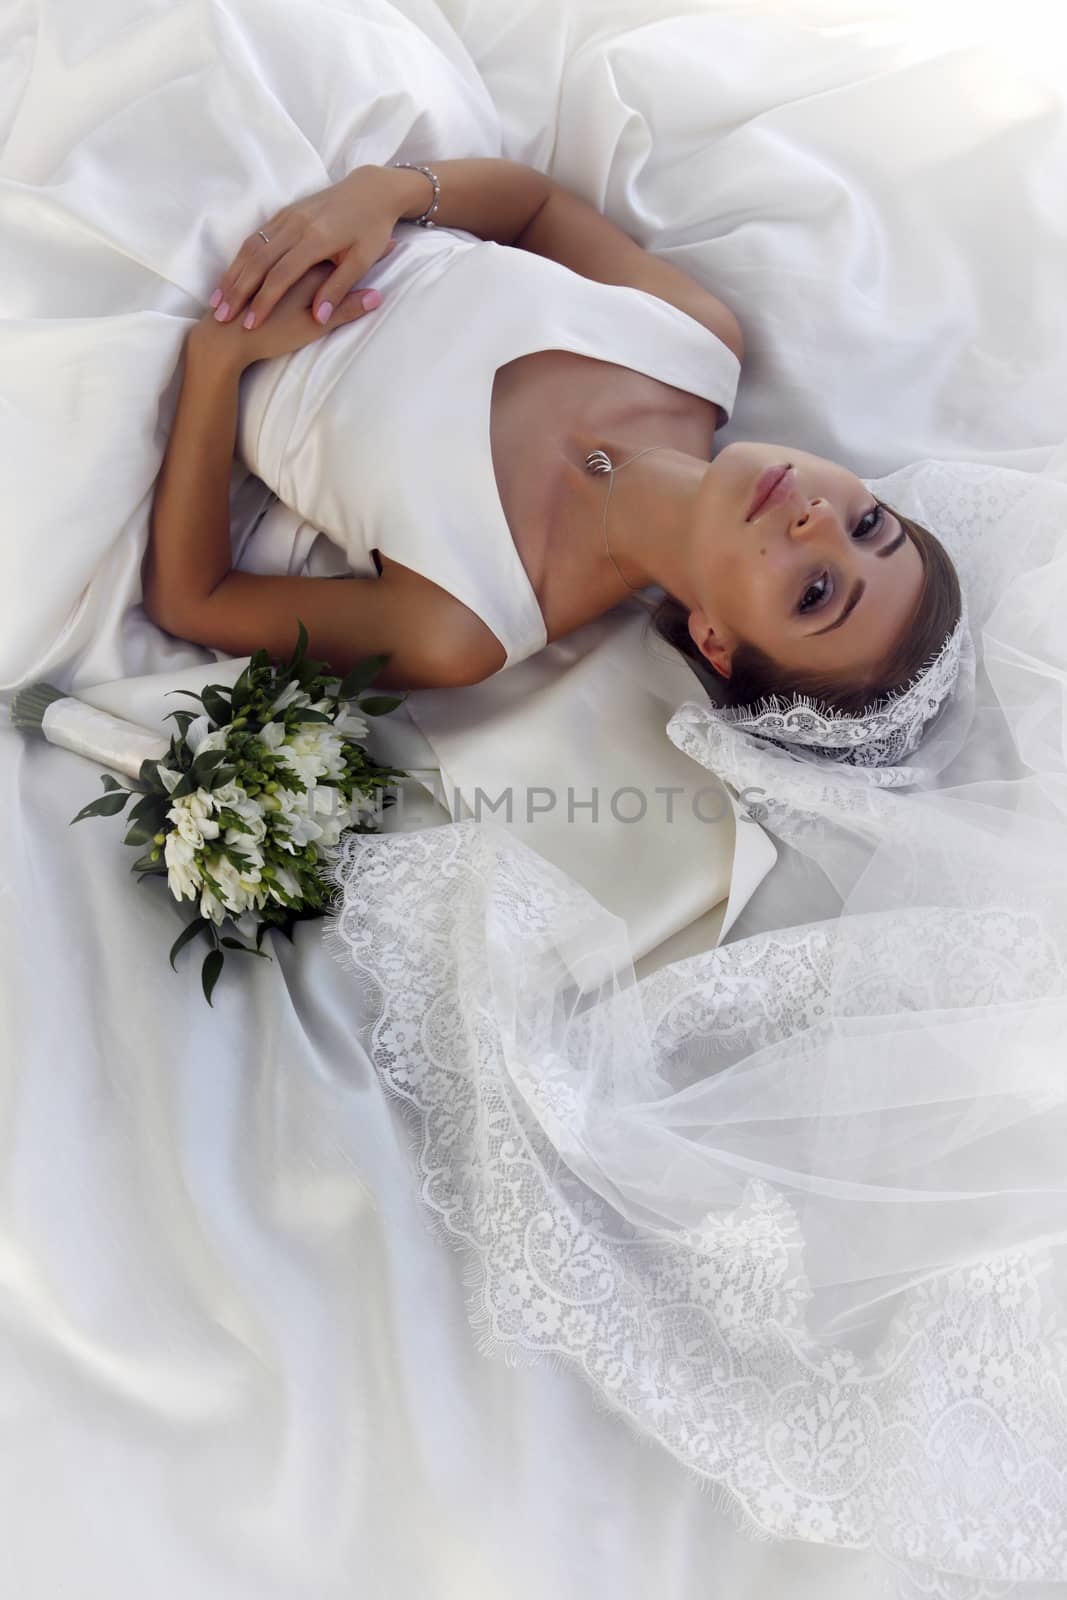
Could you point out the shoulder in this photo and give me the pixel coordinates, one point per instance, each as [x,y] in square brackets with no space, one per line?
[641,270]
[718,319]
[568,230]
[698,303]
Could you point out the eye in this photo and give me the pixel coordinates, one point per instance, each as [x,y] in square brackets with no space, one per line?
[820,596]
[878,513]
[871,523]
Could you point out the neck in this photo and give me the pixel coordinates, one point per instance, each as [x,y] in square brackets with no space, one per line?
[651,517]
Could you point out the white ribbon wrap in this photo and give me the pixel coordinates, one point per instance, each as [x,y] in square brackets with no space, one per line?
[112,741]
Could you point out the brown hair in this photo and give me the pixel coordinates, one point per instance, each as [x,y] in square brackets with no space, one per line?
[755,676]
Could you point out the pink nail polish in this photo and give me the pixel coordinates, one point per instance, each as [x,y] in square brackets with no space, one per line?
[223,312]
[325,312]
[215,298]
[250,319]
[371,299]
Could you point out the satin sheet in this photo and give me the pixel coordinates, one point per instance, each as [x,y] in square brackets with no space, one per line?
[219,1374]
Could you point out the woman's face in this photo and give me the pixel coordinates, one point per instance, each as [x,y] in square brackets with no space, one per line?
[819,578]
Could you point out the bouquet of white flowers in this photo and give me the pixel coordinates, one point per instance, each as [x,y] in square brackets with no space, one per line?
[243,812]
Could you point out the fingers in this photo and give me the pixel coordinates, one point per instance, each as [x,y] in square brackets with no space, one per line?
[339,285]
[356,303]
[249,268]
[263,273]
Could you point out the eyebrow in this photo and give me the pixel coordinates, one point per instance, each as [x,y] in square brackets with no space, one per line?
[854,598]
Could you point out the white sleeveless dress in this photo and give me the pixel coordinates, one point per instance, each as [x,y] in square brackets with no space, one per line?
[378,433]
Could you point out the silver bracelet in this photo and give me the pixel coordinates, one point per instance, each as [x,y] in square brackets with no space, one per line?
[424,220]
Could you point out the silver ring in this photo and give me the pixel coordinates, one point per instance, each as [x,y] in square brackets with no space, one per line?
[263,236]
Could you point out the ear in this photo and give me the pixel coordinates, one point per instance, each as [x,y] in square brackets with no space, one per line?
[712,646]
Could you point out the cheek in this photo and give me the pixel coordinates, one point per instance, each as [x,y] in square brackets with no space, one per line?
[748,581]
[738,586]
[754,601]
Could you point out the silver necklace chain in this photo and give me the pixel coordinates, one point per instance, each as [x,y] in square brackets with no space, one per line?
[600,461]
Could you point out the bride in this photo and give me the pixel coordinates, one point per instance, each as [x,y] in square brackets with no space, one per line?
[793,1206]
[782,574]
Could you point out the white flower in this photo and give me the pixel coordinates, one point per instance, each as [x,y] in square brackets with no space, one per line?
[272,734]
[191,814]
[332,814]
[229,794]
[183,875]
[198,738]
[169,777]
[251,854]
[315,752]
[352,726]
[251,835]
[287,881]
[289,696]
[234,798]
[303,827]
[240,886]
[304,748]
[211,907]
[196,731]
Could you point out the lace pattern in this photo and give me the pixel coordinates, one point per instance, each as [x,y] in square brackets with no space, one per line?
[935,1451]
[883,737]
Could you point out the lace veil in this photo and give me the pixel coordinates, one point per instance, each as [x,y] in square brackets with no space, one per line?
[796,1206]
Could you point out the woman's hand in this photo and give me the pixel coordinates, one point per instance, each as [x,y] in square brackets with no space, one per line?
[290,328]
[348,224]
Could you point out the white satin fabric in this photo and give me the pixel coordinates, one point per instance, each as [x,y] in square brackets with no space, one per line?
[235,1360]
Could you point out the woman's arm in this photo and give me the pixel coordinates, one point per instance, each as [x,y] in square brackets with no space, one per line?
[189,531]
[190,589]
[491,197]
[514,204]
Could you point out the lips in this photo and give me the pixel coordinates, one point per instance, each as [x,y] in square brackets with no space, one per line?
[766,484]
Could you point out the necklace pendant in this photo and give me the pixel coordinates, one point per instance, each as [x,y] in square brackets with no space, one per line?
[598,461]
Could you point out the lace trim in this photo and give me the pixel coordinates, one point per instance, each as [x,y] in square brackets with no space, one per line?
[945,1452]
[884,736]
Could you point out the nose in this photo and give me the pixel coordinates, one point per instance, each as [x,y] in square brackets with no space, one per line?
[814,519]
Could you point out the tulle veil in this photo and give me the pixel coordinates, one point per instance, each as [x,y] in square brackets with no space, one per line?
[796,1206]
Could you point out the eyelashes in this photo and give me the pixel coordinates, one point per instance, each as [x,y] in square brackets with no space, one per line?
[877,512]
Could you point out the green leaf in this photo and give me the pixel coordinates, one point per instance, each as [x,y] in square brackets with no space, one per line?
[379,704]
[307,672]
[209,972]
[185,785]
[151,807]
[301,644]
[196,926]
[109,782]
[186,691]
[260,658]
[205,764]
[217,706]
[220,776]
[148,772]
[108,805]
[234,944]
[140,833]
[313,716]
[242,689]
[363,673]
